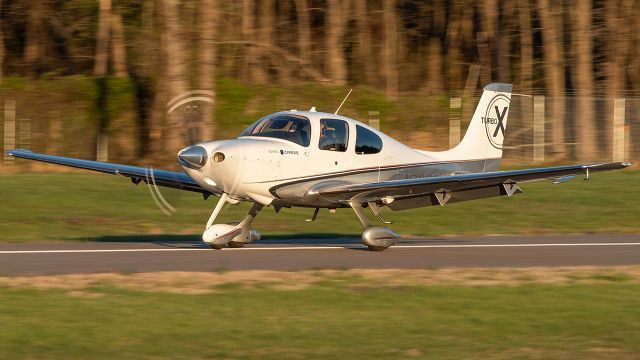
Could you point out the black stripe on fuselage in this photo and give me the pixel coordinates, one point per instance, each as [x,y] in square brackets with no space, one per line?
[403,172]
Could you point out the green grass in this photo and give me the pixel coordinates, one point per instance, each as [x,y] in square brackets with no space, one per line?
[76,206]
[326,321]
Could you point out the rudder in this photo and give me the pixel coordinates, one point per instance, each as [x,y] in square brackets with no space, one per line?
[485,135]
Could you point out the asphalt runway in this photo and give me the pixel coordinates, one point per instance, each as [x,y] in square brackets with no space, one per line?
[297,254]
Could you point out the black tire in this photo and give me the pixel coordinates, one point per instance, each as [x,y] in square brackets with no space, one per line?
[216,247]
[235,244]
[376,248]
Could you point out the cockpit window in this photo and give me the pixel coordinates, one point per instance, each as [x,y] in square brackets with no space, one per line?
[367,142]
[334,135]
[294,128]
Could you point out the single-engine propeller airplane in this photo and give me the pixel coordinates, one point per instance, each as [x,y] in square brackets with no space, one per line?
[322,160]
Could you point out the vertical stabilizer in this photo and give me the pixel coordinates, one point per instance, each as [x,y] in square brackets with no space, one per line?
[485,135]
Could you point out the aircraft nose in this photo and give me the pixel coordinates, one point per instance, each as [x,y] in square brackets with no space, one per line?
[193,157]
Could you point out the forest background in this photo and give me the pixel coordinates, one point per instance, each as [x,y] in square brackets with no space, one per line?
[134,81]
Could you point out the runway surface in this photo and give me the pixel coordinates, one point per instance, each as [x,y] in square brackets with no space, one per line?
[296,254]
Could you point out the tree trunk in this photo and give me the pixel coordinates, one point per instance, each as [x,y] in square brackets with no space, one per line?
[583,47]
[118,50]
[101,65]
[248,25]
[553,50]
[434,66]
[175,73]
[489,22]
[207,65]
[304,32]
[454,62]
[33,46]
[266,28]
[1,49]
[335,29]
[503,42]
[526,46]
[619,42]
[390,49]
[364,54]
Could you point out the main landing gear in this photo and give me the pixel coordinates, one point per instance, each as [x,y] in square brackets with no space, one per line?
[233,235]
[375,237]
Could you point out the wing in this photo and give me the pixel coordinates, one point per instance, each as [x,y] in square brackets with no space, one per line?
[412,193]
[172,179]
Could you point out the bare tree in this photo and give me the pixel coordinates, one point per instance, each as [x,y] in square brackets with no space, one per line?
[552,30]
[248,24]
[34,32]
[487,38]
[101,63]
[390,49]
[207,64]
[1,49]
[503,41]
[335,28]
[266,26]
[364,54]
[583,47]
[118,50]
[435,79]
[175,73]
[526,45]
[304,32]
[453,60]
[617,16]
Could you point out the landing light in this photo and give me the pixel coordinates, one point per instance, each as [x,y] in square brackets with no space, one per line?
[218,157]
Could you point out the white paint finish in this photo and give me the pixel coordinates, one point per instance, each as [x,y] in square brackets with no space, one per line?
[275,248]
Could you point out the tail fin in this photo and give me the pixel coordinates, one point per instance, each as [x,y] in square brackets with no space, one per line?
[485,135]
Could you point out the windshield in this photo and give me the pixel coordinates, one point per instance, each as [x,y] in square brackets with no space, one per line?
[294,128]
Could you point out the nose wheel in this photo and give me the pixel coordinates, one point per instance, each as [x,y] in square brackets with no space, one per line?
[233,235]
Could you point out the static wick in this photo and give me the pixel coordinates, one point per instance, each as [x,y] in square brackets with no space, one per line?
[525,95]
[342,103]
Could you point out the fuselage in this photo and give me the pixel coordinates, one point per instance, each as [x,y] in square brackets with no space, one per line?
[286,157]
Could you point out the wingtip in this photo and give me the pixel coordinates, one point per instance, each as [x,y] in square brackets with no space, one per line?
[13,152]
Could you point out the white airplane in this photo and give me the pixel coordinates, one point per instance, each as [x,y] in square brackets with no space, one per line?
[321,160]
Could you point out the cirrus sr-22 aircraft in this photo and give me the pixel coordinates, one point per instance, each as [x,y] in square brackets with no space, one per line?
[322,160]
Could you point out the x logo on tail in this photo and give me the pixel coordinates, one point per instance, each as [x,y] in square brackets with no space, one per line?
[500,125]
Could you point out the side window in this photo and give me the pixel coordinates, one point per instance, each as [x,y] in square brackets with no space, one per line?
[367,142]
[334,135]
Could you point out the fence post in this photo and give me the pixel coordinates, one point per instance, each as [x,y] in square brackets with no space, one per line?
[538,128]
[102,147]
[9,128]
[374,119]
[25,134]
[618,129]
[455,106]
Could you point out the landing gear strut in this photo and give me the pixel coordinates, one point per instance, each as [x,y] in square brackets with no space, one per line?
[375,237]
[234,235]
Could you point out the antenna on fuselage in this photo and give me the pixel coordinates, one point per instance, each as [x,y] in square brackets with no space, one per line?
[342,103]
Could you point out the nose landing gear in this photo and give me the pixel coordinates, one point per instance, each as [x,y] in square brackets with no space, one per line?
[234,235]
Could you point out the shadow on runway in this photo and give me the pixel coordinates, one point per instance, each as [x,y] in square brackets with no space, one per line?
[351,241]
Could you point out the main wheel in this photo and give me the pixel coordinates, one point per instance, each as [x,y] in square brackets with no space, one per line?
[216,247]
[376,248]
[235,244]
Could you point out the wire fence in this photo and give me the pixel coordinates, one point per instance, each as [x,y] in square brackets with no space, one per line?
[535,134]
